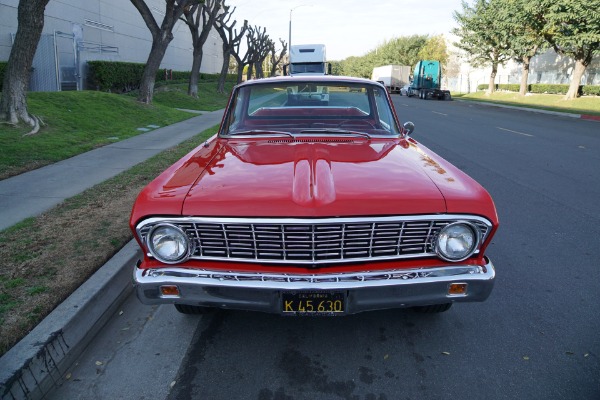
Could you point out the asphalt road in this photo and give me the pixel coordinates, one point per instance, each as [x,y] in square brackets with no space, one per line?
[537,336]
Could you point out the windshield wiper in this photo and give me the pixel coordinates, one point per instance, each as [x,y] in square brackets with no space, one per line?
[335,130]
[259,132]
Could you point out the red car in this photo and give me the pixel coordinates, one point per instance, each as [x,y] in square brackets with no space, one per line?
[312,199]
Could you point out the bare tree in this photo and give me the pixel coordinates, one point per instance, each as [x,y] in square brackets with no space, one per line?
[161,37]
[242,61]
[276,59]
[259,45]
[200,18]
[13,105]
[231,38]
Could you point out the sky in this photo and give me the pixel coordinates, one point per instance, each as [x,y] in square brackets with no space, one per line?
[347,27]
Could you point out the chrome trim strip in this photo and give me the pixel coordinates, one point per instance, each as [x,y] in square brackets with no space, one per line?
[339,281]
[316,221]
[303,221]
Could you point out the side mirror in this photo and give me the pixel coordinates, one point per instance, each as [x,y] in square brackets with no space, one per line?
[409,127]
[328,69]
[285,69]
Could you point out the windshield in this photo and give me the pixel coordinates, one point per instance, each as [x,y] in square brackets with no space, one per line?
[296,107]
[307,68]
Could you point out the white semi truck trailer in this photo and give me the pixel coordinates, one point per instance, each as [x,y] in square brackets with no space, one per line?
[392,76]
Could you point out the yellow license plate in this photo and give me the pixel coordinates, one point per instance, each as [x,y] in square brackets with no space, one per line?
[313,303]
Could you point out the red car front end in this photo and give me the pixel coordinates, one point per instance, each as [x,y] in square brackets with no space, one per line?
[312,200]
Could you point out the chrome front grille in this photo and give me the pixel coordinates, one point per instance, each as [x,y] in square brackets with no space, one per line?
[313,241]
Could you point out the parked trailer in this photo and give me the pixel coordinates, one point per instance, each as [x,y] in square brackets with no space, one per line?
[426,81]
[393,77]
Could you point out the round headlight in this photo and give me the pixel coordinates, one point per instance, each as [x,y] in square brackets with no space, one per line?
[457,241]
[168,243]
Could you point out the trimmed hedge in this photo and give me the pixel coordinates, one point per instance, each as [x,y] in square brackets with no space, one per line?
[2,68]
[585,90]
[591,90]
[120,77]
[550,88]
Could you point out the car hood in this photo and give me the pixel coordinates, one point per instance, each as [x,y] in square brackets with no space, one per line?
[314,178]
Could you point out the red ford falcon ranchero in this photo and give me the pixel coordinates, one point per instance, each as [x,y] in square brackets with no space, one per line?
[313,200]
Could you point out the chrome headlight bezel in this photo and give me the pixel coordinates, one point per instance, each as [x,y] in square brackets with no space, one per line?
[476,240]
[186,240]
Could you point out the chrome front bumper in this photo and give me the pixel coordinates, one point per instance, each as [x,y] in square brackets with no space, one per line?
[365,291]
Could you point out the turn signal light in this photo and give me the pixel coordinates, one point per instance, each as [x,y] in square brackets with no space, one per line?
[457,289]
[169,290]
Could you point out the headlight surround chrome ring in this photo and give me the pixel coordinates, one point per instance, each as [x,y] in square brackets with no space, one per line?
[168,243]
[457,241]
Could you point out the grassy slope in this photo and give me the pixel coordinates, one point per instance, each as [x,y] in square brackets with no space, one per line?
[583,105]
[77,122]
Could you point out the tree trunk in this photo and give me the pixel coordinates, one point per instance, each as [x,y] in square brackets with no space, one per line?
[224,69]
[492,85]
[195,73]
[13,105]
[157,53]
[524,76]
[240,71]
[259,70]
[249,72]
[580,66]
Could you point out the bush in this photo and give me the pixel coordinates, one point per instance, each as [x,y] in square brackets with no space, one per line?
[549,88]
[584,90]
[112,76]
[120,77]
[511,87]
[591,90]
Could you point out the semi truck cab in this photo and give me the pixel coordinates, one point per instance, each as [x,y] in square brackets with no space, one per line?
[307,59]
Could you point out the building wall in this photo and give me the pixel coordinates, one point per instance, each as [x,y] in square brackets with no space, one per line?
[110,30]
[548,67]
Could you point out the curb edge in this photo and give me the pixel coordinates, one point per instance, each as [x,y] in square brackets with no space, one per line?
[38,363]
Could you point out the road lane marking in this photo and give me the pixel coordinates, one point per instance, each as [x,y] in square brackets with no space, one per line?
[520,133]
[435,112]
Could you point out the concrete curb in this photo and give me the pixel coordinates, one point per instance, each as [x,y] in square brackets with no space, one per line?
[536,110]
[37,364]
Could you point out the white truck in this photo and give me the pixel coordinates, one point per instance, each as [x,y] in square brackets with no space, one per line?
[307,59]
[393,77]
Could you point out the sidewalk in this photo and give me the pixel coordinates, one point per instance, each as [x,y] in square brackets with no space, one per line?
[34,192]
[36,365]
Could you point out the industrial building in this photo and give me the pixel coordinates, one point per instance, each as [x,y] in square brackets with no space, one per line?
[78,31]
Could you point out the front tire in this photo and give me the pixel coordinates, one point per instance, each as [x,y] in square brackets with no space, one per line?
[433,309]
[194,310]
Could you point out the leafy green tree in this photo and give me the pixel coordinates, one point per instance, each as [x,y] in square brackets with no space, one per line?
[525,38]
[399,51]
[481,35]
[572,27]
[435,49]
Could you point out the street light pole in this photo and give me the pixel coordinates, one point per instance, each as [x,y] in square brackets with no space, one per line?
[290,29]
